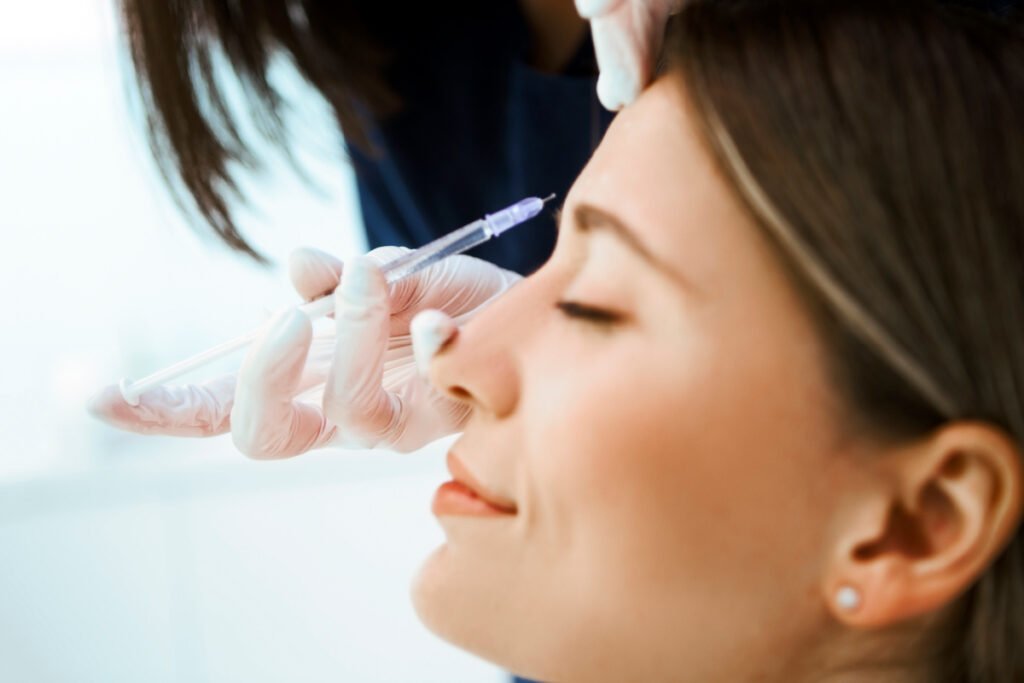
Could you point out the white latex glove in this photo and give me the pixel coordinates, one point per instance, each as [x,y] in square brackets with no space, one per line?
[356,386]
[627,38]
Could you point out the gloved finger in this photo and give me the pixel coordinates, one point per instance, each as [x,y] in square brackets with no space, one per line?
[430,331]
[408,290]
[193,410]
[589,9]
[627,41]
[313,272]
[267,421]
[354,397]
[621,59]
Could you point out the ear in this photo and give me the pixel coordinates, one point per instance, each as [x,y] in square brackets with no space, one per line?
[928,522]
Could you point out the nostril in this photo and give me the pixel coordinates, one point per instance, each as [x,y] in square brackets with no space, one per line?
[459,393]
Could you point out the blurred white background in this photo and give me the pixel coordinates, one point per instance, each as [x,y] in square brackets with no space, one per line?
[125,558]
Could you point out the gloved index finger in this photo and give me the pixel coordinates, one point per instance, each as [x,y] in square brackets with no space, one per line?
[588,9]
[623,57]
[627,39]
[313,273]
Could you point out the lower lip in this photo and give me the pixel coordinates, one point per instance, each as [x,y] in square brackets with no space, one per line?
[454,498]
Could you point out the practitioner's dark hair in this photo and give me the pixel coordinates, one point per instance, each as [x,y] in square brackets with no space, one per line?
[174,46]
[880,145]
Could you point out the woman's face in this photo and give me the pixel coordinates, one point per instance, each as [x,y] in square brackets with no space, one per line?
[671,466]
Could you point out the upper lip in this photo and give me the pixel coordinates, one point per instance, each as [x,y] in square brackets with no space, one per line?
[462,475]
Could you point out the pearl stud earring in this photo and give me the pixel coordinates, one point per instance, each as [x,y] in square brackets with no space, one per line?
[848,598]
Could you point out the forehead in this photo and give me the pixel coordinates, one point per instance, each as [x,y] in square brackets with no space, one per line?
[652,169]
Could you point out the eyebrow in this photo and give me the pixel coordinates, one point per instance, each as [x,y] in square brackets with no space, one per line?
[589,218]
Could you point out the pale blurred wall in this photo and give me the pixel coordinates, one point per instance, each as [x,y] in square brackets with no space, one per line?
[125,558]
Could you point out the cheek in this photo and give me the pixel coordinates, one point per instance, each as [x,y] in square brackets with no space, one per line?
[678,469]
[604,461]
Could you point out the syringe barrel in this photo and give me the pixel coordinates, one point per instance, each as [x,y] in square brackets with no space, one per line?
[511,216]
[458,241]
[463,239]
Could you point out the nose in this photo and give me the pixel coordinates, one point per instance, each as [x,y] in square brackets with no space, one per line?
[477,364]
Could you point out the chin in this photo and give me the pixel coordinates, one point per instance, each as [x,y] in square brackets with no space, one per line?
[447,609]
[468,608]
[426,590]
[459,609]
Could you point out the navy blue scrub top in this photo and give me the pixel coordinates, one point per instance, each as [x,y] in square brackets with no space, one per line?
[478,129]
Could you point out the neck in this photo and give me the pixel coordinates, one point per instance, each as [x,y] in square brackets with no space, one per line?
[852,656]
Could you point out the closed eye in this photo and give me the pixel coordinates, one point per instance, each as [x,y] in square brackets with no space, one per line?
[580,311]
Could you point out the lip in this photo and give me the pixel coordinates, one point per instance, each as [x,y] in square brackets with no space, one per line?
[466,496]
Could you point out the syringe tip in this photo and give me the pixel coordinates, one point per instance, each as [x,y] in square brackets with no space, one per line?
[548,198]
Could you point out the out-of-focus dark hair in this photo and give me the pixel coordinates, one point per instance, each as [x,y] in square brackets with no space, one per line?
[880,146]
[195,139]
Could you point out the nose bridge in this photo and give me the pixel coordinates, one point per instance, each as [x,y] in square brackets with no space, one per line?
[481,364]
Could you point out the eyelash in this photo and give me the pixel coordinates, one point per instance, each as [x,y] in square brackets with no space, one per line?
[579,311]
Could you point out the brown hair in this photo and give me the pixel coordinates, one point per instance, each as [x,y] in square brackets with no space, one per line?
[175,46]
[880,147]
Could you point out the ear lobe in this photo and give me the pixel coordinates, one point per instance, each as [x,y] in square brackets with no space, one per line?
[942,510]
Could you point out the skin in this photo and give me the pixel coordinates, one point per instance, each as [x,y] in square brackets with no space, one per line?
[556,28]
[688,499]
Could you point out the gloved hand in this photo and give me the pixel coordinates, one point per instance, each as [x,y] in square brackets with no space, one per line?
[357,386]
[627,38]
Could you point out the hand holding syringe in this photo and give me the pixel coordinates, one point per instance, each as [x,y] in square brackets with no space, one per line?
[455,242]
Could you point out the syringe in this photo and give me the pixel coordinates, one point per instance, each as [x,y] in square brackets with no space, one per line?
[466,237]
